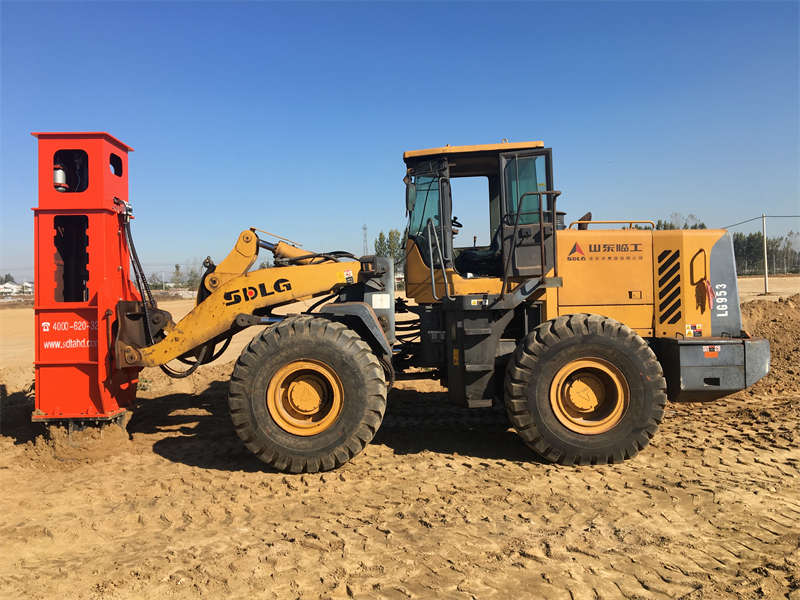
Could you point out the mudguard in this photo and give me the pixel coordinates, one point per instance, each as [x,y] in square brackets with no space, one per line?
[360,317]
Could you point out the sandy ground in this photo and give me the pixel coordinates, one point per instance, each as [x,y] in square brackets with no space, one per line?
[752,288]
[445,503]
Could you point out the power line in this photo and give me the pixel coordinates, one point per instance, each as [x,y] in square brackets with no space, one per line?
[759,217]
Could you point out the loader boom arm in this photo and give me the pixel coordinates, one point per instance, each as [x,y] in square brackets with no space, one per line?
[233,291]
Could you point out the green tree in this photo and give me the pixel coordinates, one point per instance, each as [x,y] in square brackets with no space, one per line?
[664,225]
[156,281]
[396,250]
[783,253]
[678,221]
[193,278]
[391,246]
[177,276]
[7,278]
[381,245]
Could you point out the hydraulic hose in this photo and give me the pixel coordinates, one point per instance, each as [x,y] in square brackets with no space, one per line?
[147,295]
[138,271]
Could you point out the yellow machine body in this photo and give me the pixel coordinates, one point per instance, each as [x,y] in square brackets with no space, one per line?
[610,272]
[616,273]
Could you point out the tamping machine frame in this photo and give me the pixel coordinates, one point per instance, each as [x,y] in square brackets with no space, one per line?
[82,269]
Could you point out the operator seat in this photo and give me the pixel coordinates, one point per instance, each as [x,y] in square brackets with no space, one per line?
[484,262]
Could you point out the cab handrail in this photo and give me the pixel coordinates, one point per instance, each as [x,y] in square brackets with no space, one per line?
[432,236]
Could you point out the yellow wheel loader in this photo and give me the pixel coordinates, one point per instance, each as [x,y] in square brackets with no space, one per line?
[583,330]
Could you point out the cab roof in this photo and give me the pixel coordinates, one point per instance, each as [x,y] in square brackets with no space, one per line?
[448,149]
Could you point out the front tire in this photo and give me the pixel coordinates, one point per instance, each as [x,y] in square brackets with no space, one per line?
[307,395]
[585,389]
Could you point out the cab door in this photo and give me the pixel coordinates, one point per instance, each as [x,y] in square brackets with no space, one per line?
[430,242]
[521,174]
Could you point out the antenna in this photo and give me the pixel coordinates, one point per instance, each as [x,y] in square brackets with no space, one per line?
[366,245]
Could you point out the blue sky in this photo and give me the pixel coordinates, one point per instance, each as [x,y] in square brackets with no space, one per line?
[293,117]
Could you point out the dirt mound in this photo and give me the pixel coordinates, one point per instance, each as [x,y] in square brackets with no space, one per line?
[59,448]
[779,322]
[16,378]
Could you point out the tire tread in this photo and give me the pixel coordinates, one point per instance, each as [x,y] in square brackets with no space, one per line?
[530,349]
[261,348]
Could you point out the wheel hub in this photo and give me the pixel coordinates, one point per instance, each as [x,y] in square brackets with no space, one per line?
[589,396]
[584,391]
[304,397]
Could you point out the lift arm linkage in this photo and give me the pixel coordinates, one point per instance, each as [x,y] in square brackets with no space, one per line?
[234,291]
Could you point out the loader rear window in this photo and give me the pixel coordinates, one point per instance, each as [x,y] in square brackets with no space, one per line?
[72,258]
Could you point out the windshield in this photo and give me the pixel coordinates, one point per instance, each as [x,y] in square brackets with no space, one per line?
[426,205]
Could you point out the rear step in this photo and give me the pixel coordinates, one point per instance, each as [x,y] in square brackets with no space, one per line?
[480,403]
[479,368]
[477,330]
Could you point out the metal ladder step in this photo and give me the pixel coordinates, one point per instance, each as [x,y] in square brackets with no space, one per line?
[479,368]
[480,403]
[477,330]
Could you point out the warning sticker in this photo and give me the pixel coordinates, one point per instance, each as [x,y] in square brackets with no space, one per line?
[694,330]
[348,276]
[711,351]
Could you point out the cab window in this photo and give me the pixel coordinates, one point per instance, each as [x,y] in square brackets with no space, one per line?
[524,174]
[426,205]
[473,207]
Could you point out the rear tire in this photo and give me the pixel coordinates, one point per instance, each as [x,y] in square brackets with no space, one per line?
[585,389]
[307,395]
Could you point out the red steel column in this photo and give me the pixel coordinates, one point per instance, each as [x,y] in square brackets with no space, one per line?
[82,269]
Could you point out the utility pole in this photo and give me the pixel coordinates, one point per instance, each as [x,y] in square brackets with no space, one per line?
[764,239]
[366,245]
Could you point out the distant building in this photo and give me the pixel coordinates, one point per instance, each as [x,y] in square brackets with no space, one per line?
[10,289]
[15,289]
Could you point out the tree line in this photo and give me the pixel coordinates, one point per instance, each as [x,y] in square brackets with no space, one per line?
[783,253]
[391,245]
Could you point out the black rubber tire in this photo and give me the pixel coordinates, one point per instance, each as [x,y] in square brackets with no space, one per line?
[363,402]
[539,356]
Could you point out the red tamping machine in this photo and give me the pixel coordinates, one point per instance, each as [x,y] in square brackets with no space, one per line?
[82,269]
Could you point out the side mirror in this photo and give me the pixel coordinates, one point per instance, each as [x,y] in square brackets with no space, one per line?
[411,194]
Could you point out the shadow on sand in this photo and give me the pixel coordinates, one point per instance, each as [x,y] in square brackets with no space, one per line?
[415,422]
[15,416]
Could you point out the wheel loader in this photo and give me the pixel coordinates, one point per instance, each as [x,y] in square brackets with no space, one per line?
[582,330]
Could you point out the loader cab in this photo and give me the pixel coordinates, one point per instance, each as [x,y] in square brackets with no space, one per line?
[457,196]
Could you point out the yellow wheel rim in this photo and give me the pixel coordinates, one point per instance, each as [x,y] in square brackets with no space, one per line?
[589,396]
[305,397]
